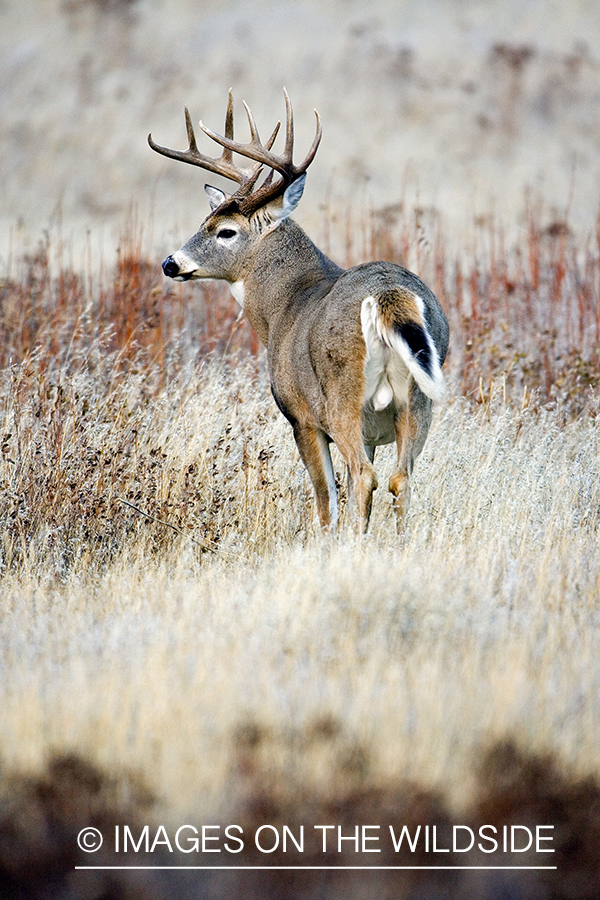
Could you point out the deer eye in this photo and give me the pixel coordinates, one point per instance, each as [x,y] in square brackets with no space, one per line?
[226,233]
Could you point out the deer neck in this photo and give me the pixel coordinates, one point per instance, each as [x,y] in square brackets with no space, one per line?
[287,268]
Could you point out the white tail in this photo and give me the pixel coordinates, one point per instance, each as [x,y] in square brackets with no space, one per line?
[354,355]
[407,338]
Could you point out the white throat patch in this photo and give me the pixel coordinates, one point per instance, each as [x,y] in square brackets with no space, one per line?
[238,291]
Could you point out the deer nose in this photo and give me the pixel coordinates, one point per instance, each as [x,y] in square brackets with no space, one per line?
[170,267]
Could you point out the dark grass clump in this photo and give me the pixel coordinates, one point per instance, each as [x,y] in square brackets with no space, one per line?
[41,817]
[517,786]
[513,787]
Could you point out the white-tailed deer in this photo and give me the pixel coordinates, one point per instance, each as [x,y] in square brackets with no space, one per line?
[354,355]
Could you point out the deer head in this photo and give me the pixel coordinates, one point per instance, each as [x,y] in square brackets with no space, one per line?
[224,242]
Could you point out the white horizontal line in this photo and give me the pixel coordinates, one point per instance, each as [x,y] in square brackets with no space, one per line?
[322,868]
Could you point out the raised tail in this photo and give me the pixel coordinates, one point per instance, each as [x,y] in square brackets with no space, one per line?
[395,320]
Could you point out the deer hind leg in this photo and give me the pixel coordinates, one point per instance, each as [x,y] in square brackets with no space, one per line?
[314,450]
[370,451]
[412,425]
[362,479]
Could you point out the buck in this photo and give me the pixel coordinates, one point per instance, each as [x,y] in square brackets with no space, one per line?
[354,355]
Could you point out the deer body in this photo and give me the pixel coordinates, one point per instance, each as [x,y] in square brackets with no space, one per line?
[354,355]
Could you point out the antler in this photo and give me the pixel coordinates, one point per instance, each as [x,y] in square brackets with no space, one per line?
[247,200]
[224,164]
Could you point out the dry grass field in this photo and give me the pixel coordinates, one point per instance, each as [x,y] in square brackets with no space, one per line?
[177,642]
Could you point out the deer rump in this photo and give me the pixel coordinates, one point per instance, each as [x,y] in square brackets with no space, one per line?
[371,336]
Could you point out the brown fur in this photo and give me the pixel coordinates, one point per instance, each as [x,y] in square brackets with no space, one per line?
[397,307]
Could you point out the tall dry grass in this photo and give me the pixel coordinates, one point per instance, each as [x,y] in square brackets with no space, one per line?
[169,609]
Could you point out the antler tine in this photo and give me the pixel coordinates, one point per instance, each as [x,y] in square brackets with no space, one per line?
[315,145]
[193,147]
[271,140]
[288,151]
[227,154]
[252,124]
[229,116]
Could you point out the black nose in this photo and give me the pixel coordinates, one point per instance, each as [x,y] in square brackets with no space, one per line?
[170,267]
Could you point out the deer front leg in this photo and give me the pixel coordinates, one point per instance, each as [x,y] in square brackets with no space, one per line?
[314,450]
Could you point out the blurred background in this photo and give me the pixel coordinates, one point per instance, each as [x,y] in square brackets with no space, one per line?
[459,106]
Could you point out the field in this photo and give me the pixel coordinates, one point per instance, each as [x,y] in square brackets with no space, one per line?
[178,643]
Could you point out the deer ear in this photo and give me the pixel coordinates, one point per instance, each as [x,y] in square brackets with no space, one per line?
[291,198]
[215,196]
